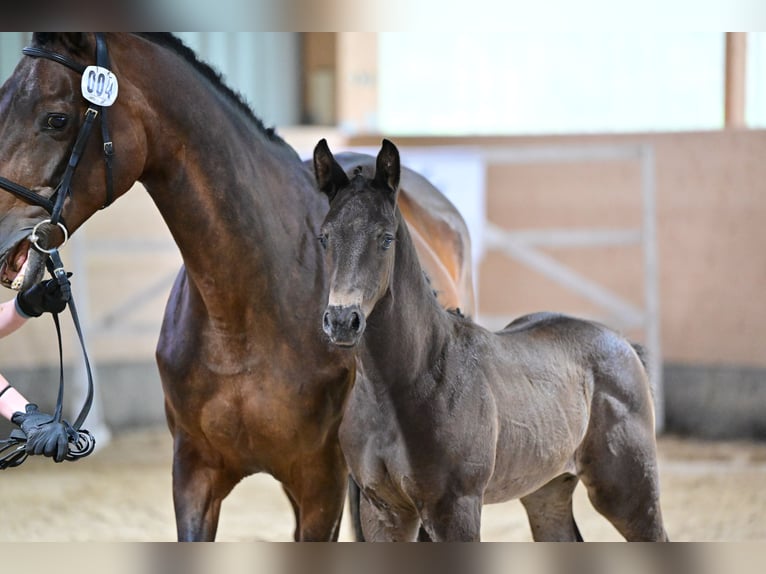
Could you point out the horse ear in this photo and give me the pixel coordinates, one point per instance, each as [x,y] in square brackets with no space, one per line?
[329,175]
[387,167]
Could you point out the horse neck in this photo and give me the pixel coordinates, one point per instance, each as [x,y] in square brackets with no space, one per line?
[407,329]
[240,205]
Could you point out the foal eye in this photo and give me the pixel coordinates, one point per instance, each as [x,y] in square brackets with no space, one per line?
[57,121]
[323,240]
[388,239]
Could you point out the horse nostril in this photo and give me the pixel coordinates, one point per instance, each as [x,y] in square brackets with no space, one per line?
[356,322]
[326,320]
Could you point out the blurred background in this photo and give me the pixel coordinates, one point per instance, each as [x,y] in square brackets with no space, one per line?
[615,176]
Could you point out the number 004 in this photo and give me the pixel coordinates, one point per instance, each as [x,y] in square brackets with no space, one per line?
[96,83]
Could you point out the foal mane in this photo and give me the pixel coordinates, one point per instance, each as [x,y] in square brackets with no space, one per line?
[451,310]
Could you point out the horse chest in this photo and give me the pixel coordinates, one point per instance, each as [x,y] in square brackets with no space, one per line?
[406,459]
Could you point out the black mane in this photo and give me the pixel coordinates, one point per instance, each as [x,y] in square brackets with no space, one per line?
[175,44]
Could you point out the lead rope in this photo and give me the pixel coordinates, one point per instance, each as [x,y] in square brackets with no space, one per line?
[81,442]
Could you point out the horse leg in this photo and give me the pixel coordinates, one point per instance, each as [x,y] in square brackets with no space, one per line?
[383,525]
[354,497]
[454,518]
[317,495]
[549,510]
[198,490]
[296,512]
[617,463]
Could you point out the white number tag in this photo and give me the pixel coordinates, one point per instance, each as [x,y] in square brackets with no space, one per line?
[99,86]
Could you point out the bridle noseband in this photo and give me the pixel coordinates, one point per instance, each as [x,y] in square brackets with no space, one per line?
[55,204]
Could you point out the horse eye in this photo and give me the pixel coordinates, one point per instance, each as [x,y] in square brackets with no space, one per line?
[323,240]
[57,121]
[388,239]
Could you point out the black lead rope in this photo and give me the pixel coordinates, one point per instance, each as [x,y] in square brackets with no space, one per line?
[81,442]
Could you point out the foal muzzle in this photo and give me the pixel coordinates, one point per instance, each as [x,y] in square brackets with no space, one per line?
[343,324]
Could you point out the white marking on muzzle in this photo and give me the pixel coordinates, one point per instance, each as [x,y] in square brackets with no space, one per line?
[347,299]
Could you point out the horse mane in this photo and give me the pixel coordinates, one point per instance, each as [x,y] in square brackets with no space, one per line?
[176,45]
[451,310]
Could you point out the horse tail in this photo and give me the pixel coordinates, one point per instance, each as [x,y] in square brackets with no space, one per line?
[642,354]
[643,357]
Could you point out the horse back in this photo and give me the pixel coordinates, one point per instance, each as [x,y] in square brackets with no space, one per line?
[618,366]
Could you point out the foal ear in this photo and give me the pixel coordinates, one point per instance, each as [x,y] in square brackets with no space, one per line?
[387,167]
[329,175]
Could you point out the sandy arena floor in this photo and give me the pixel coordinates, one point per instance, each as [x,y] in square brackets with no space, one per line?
[711,491]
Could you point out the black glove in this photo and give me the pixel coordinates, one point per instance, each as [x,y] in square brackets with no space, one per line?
[44,435]
[45,296]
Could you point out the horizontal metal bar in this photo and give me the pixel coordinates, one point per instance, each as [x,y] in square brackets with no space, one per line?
[565,238]
[554,154]
[127,308]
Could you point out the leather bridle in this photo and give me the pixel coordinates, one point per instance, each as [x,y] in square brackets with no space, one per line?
[81,441]
[55,204]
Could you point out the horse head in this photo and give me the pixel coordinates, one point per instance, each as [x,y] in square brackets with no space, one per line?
[357,236]
[47,129]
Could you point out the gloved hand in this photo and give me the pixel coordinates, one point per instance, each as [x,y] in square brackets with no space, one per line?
[45,296]
[44,435]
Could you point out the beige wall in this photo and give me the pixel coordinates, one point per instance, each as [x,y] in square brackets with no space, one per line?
[711,235]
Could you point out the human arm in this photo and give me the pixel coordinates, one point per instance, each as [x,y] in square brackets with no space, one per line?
[45,296]
[44,435]
[11,400]
[10,320]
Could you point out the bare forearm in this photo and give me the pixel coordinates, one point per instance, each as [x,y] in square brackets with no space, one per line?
[10,320]
[11,400]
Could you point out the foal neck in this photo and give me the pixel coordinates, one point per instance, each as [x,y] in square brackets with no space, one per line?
[408,328]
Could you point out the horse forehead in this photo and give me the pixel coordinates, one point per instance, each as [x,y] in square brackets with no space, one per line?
[360,209]
[36,79]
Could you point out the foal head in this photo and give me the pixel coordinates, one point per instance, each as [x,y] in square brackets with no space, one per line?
[358,237]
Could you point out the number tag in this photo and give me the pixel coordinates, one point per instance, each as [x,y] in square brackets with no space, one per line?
[99,86]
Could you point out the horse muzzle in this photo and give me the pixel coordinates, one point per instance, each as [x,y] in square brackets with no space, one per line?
[343,324]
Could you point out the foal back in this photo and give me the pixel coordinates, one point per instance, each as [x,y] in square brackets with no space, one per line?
[599,428]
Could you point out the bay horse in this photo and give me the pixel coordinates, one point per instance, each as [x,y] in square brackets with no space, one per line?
[247,387]
[446,416]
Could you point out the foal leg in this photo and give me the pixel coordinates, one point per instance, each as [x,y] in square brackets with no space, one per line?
[454,519]
[618,465]
[549,510]
[384,525]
